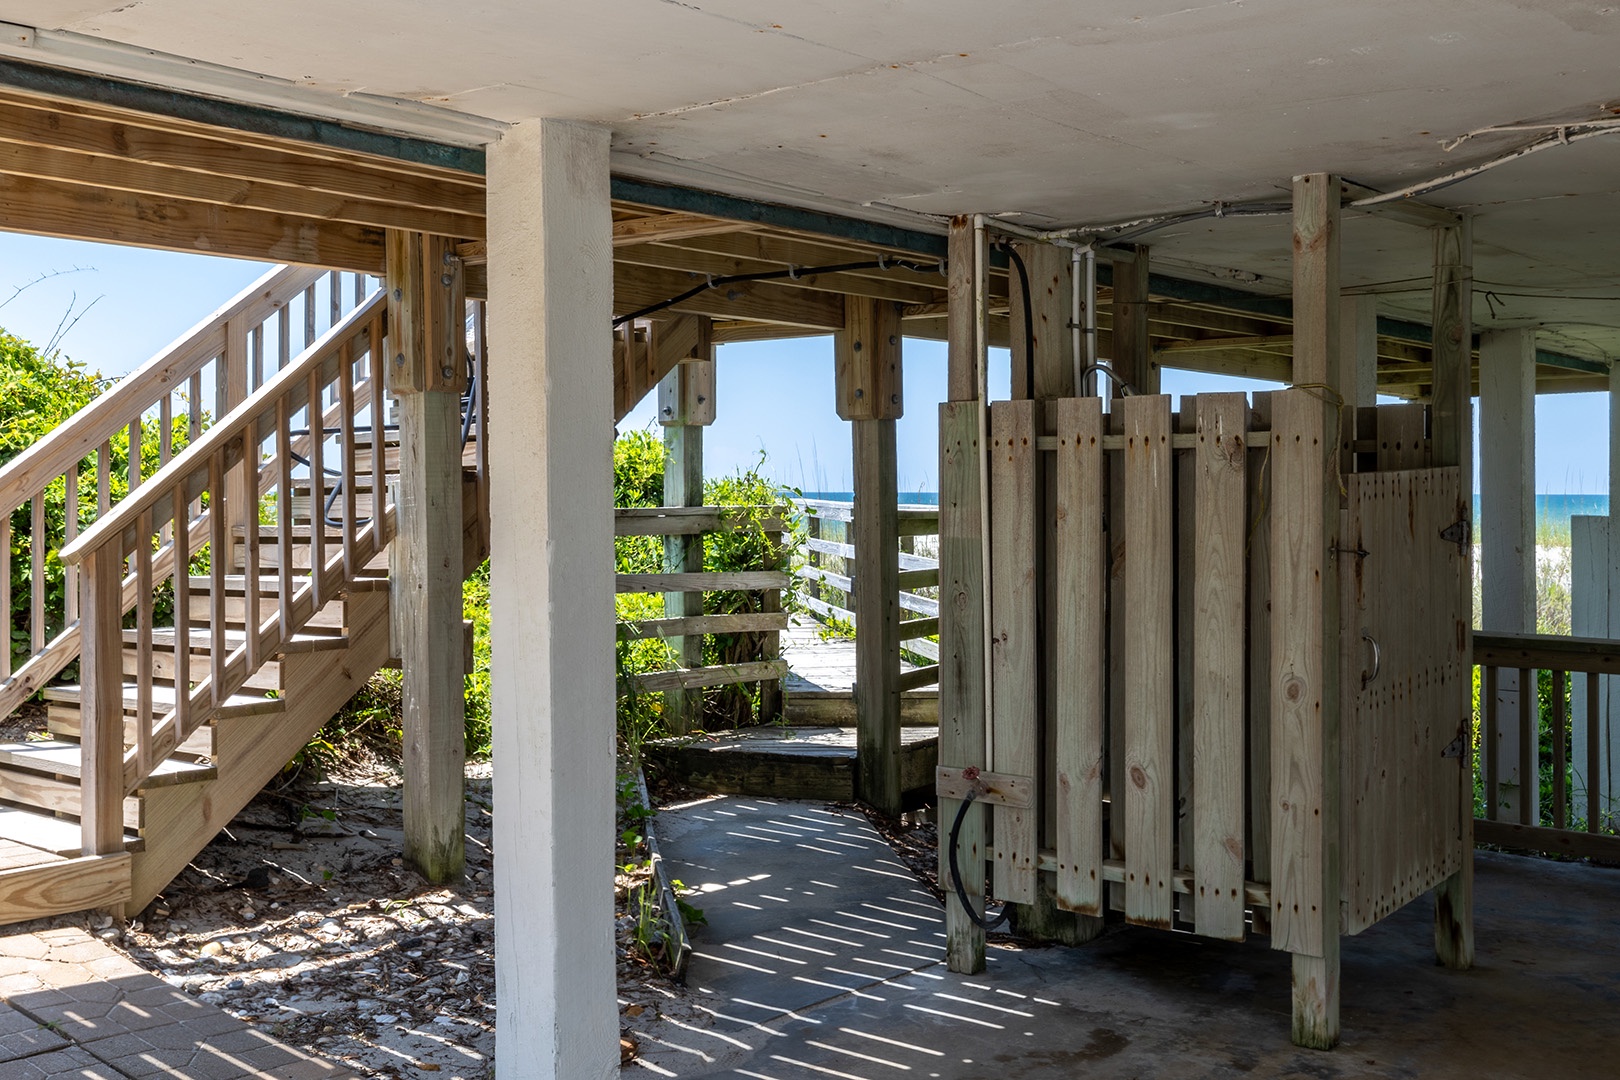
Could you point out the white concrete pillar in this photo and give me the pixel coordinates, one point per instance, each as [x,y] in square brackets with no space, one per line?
[551,556]
[1507,474]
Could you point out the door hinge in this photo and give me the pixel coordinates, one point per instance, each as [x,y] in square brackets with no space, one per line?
[1454,749]
[1460,533]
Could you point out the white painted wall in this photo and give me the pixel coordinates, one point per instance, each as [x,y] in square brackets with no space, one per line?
[551,577]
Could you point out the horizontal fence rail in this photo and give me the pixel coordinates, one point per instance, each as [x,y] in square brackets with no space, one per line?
[765,587]
[1572,809]
[223,529]
[107,451]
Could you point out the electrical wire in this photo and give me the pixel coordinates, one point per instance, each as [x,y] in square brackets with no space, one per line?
[981,921]
[1017,261]
[792,272]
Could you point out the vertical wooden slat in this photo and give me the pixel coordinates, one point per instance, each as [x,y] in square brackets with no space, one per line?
[1594,754]
[283,336]
[166,442]
[1529,745]
[5,594]
[1302,792]
[1149,660]
[1560,733]
[182,610]
[136,446]
[101,703]
[1079,565]
[962,640]
[346,468]
[334,297]
[1490,736]
[38,550]
[217,518]
[317,492]
[379,435]
[1186,494]
[70,530]
[1258,552]
[103,478]
[309,318]
[256,354]
[286,518]
[143,642]
[250,547]
[1014,691]
[1221,481]
[1114,758]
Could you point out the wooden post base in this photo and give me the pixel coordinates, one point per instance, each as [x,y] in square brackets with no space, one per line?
[1454,918]
[1316,1000]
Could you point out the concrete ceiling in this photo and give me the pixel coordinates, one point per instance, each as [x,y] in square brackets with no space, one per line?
[1054,112]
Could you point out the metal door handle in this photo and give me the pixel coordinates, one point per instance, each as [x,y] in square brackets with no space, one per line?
[1368,677]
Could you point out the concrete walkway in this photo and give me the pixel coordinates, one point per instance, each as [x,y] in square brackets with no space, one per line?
[821,958]
[74,1008]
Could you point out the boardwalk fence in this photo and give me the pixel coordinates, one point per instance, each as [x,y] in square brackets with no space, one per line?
[828,579]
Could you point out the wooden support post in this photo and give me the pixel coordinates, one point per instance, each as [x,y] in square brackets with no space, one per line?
[962,633]
[1452,436]
[868,394]
[1305,624]
[1133,351]
[1358,365]
[101,704]
[231,371]
[1507,528]
[425,373]
[551,507]
[685,406]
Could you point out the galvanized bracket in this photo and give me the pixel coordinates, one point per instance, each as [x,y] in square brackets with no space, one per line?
[1454,749]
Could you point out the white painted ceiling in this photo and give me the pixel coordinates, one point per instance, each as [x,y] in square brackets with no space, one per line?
[1058,112]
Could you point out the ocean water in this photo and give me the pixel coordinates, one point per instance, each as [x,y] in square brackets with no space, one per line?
[1553,511]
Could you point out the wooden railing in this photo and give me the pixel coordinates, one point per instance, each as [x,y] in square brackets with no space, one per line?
[767,621]
[304,426]
[1580,819]
[828,578]
[166,403]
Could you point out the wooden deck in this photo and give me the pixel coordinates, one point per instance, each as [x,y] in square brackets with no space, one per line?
[820,686]
[812,755]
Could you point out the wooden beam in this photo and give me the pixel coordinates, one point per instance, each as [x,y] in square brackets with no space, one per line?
[635,287]
[1452,445]
[898,286]
[877,610]
[114,217]
[867,362]
[963,351]
[642,230]
[136,177]
[425,373]
[224,154]
[1133,351]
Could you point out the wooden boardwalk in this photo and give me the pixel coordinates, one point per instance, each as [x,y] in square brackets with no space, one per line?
[812,754]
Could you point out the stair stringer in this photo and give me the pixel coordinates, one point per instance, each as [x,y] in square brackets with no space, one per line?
[181,820]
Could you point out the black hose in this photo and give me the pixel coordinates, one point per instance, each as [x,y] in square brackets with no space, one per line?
[980,921]
[1017,261]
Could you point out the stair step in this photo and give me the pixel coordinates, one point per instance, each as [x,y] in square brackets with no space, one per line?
[55,795]
[163,700]
[66,758]
[329,620]
[202,641]
[267,678]
[270,555]
[64,722]
[56,835]
[236,584]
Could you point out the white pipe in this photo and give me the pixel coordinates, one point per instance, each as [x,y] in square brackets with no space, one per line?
[1090,319]
[1077,346]
[981,333]
[1559,138]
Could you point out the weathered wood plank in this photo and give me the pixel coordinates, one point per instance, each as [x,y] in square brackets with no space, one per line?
[1078,562]
[743,622]
[1259,654]
[877,612]
[1013,637]
[1149,790]
[719,675]
[962,641]
[60,887]
[708,581]
[1218,695]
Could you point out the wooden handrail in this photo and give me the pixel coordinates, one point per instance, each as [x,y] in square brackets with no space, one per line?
[60,450]
[226,436]
[1548,652]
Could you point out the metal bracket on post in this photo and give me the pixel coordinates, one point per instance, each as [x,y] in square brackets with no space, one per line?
[1461,533]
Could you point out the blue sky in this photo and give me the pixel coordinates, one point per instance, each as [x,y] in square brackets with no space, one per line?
[773,397]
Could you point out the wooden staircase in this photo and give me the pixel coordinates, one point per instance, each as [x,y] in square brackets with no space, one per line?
[260,651]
